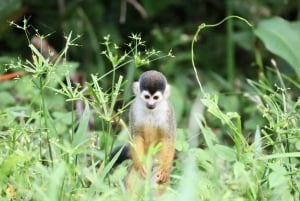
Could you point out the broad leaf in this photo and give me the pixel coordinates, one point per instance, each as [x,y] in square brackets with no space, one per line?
[281,38]
[225,153]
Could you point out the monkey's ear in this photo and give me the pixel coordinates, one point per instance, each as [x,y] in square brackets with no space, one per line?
[167,91]
[135,87]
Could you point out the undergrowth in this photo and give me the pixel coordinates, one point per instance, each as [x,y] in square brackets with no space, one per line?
[48,152]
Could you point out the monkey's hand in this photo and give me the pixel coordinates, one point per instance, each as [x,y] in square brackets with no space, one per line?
[143,171]
[163,175]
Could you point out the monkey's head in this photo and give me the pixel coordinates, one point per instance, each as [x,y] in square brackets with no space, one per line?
[152,88]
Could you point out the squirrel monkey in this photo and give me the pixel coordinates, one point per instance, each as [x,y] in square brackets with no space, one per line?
[152,122]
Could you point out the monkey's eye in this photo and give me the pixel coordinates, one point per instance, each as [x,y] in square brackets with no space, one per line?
[155,97]
[146,96]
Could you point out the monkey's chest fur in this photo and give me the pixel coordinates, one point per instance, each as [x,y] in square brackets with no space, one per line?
[151,135]
[151,125]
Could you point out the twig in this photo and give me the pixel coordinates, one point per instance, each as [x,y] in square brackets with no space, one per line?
[9,76]
[136,5]
[123,11]
[139,8]
[79,104]
[43,46]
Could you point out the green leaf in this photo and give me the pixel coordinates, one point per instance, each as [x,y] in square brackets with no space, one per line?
[153,8]
[8,164]
[225,153]
[188,186]
[65,68]
[6,99]
[80,135]
[280,155]
[181,142]
[177,100]
[278,176]
[8,7]
[281,38]
[56,181]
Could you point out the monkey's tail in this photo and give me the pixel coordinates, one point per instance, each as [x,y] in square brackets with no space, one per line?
[122,152]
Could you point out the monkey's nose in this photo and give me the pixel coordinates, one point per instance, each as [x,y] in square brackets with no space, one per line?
[150,106]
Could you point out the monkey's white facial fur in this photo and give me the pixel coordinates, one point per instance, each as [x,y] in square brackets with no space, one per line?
[151,89]
[151,101]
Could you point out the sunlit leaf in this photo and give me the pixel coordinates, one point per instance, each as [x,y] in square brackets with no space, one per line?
[225,153]
[281,38]
[80,135]
[6,98]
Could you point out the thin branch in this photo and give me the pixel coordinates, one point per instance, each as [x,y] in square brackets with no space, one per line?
[45,48]
[9,76]
[139,8]
[136,5]
[123,11]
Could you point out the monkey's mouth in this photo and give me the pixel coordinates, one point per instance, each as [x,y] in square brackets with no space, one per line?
[150,106]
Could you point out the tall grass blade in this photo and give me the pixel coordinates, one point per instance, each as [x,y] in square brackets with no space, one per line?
[81,134]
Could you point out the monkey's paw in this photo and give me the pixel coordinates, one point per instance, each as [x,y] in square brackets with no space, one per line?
[143,171]
[163,175]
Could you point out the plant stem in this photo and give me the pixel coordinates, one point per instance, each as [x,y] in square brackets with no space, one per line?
[202,26]
[258,59]
[45,114]
[72,129]
[129,80]
[230,66]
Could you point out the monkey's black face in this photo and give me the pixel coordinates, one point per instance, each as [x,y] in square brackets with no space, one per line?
[151,100]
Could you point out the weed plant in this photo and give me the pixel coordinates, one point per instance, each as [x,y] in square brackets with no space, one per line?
[48,153]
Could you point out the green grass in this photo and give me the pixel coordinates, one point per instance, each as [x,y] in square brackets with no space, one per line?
[49,154]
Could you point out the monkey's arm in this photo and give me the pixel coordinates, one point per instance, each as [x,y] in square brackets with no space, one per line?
[166,157]
[167,152]
[138,154]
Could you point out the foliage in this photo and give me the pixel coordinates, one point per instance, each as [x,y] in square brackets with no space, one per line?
[281,38]
[247,165]
[47,145]
[237,138]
